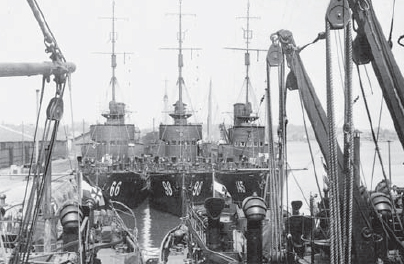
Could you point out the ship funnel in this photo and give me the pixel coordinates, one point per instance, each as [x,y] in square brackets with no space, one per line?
[70,217]
[2,199]
[214,207]
[382,203]
[2,204]
[255,210]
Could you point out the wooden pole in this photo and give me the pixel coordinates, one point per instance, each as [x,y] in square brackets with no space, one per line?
[10,69]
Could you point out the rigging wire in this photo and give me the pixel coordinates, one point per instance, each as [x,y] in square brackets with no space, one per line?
[190,101]
[37,168]
[369,82]
[377,149]
[309,145]
[340,59]
[69,81]
[29,221]
[49,38]
[48,154]
[371,124]
[377,138]
[391,25]
[298,186]
[67,139]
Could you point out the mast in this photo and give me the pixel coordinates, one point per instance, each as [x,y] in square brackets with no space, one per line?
[183,135]
[245,116]
[165,100]
[116,113]
[180,115]
[247,36]
[180,59]
[113,55]
[209,121]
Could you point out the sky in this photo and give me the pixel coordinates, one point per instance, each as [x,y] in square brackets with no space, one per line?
[147,71]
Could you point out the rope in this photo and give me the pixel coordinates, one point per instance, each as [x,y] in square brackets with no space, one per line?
[281,157]
[334,219]
[271,151]
[274,178]
[349,143]
[347,136]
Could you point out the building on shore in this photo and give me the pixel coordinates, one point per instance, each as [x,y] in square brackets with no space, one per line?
[17,146]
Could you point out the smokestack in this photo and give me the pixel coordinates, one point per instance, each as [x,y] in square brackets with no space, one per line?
[255,210]
[214,207]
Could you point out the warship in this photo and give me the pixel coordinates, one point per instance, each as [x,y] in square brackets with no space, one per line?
[111,158]
[179,172]
[242,152]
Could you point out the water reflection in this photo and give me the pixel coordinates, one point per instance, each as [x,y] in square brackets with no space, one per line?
[152,226]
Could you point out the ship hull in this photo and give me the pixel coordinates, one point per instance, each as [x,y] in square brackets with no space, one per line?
[166,190]
[242,183]
[97,178]
[129,188]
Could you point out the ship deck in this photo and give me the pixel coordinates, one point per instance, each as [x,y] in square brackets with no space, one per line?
[178,256]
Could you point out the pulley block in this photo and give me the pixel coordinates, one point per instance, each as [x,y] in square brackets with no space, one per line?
[338,14]
[55,109]
[274,57]
[362,53]
[291,81]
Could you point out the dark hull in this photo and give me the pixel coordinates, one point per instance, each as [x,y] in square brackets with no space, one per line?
[242,183]
[96,179]
[129,188]
[166,191]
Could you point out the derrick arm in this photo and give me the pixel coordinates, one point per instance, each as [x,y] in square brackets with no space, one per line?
[363,246]
[29,69]
[311,102]
[371,43]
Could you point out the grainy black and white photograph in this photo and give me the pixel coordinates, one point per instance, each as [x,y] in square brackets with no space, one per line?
[188,131]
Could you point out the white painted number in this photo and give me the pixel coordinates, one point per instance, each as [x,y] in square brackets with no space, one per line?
[196,191]
[167,188]
[240,186]
[115,188]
